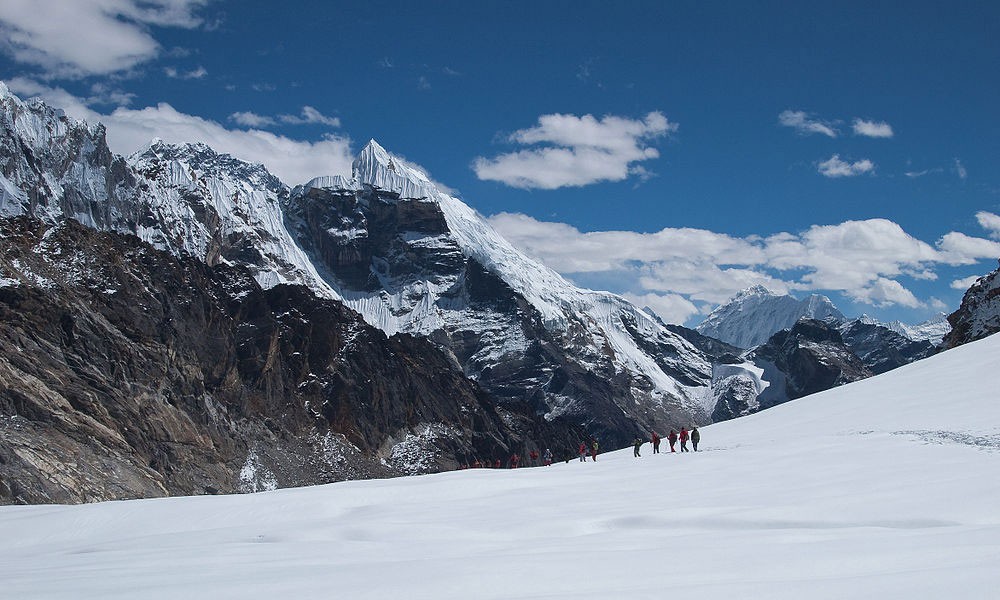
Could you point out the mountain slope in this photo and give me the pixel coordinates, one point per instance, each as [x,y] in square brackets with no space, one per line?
[414,259]
[756,313]
[126,372]
[868,489]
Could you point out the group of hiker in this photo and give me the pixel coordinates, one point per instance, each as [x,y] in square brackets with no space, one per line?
[590,449]
[514,462]
[672,438]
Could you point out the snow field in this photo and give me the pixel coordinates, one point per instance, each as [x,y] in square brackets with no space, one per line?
[885,488]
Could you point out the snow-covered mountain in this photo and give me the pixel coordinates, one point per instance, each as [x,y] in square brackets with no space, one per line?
[414,259]
[187,199]
[870,490]
[757,313]
[932,330]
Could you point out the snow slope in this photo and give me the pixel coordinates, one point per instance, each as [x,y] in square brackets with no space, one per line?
[870,490]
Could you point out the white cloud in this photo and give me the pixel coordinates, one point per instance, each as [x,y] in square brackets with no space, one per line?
[672,308]
[89,37]
[308,116]
[293,161]
[173,73]
[872,129]
[964,284]
[961,249]
[990,222]
[886,292]
[864,260]
[578,151]
[804,124]
[836,167]
[252,119]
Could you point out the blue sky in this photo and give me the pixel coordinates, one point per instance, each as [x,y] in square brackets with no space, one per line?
[672,152]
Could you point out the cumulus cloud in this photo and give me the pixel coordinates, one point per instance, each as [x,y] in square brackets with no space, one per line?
[89,37]
[961,249]
[964,284]
[836,167]
[990,222]
[805,124]
[865,260]
[577,151]
[874,129]
[128,130]
[672,308]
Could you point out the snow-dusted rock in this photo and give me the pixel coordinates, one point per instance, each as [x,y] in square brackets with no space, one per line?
[756,313]
[979,315]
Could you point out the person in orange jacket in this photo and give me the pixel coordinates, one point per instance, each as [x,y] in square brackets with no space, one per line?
[684,440]
[672,439]
[583,452]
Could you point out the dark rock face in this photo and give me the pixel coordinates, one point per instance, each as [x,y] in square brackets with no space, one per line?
[979,314]
[882,349]
[808,358]
[735,397]
[127,372]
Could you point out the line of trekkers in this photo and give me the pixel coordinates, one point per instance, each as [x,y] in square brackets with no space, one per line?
[591,450]
[694,435]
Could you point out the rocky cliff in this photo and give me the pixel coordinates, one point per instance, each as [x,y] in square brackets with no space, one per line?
[979,314]
[128,372]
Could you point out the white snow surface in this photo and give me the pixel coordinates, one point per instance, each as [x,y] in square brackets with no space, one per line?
[884,488]
[757,313]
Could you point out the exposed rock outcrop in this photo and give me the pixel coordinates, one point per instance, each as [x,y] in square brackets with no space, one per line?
[808,358]
[979,314]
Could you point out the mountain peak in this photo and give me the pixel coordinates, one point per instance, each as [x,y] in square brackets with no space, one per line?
[376,167]
[754,290]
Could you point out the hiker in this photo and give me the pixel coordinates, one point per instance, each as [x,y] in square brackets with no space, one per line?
[695,438]
[672,439]
[638,443]
[593,451]
[514,460]
[496,464]
[547,457]
[684,440]
[583,452]
[656,443]
[533,455]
